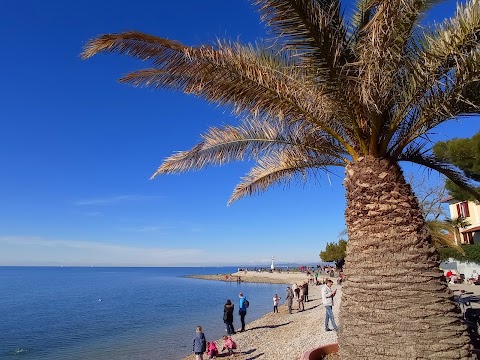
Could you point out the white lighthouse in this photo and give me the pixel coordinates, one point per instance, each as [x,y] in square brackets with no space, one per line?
[272,267]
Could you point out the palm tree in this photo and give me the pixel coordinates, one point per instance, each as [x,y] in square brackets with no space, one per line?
[359,93]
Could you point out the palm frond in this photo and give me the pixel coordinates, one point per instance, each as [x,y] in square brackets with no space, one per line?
[362,15]
[259,81]
[251,140]
[459,222]
[314,28]
[384,34]
[282,167]
[381,47]
[441,81]
[416,154]
[441,232]
[136,44]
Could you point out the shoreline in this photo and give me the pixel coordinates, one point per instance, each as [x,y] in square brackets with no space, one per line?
[280,335]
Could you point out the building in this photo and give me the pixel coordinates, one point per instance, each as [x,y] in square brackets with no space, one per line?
[470,210]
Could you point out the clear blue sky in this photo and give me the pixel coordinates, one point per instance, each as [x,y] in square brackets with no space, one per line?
[77,149]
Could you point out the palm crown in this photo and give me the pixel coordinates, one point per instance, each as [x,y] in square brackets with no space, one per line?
[327,93]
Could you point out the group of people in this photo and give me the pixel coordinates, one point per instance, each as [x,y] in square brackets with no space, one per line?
[300,293]
[327,300]
[200,345]
[228,313]
[329,271]
[473,279]
[453,277]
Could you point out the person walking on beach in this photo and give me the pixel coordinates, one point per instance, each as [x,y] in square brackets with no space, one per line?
[275,303]
[305,291]
[199,344]
[289,299]
[228,317]
[242,311]
[300,299]
[327,299]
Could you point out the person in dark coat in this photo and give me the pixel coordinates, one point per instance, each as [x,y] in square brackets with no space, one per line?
[199,344]
[228,317]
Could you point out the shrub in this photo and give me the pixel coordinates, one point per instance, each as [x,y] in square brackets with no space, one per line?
[471,253]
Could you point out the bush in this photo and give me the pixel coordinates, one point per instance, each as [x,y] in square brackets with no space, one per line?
[471,253]
[448,252]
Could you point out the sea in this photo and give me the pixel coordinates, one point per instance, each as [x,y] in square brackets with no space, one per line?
[80,313]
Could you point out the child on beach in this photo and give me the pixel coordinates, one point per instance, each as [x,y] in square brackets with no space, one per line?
[212,350]
[199,343]
[275,303]
[228,344]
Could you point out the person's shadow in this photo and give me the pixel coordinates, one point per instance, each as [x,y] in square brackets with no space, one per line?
[269,326]
[255,357]
[246,352]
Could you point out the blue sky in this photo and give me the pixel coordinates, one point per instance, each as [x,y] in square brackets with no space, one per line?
[77,149]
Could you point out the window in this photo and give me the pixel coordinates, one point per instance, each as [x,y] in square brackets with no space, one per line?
[462,209]
[468,238]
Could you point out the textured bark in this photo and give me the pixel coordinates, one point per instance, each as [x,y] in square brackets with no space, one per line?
[395,303]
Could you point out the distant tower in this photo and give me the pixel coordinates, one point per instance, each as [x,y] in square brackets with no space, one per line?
[271,265]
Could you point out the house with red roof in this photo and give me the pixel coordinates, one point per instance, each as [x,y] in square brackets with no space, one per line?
[470,211]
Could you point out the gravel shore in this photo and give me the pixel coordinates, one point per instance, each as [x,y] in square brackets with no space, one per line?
[282,335]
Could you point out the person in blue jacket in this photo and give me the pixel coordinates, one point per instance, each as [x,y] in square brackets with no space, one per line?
[242,311]
[199,344]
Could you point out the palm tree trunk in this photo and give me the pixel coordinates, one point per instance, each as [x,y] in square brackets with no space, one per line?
[457,236]
[395,303]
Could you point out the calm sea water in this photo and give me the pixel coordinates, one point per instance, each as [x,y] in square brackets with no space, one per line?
[115,313]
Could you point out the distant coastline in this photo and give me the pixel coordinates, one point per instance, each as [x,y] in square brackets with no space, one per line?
[264,277]
[239,278]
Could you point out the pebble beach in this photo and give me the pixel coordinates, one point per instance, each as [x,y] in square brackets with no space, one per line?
[280,335]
